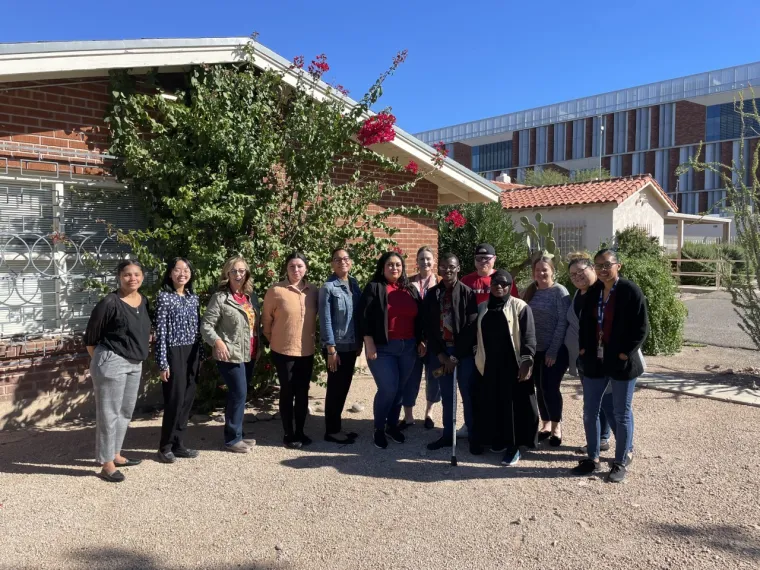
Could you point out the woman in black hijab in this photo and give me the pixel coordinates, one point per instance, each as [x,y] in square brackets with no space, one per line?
[505,411]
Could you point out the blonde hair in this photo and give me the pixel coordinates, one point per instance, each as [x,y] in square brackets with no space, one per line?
[579,258]
[224,280]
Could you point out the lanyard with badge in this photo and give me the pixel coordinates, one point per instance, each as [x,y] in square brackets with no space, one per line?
[600,308]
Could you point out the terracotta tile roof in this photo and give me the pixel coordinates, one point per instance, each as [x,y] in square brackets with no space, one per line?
[594,192]
[508,185]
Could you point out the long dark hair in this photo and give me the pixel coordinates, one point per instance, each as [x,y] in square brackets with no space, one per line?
[168,285]
[379,276]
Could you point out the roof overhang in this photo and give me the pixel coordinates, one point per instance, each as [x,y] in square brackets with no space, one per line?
[674,218]
[66,60]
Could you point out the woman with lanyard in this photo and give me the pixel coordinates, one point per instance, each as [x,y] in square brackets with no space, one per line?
[505,410]
[581,271]
[232,325]
[117,339]
[423,281]
[178,352]
[340,344]
[613,327]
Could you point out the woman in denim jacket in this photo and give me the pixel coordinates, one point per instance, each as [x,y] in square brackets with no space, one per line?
[338,299]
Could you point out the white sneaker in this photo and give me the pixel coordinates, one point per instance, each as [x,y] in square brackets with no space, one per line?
[462,432]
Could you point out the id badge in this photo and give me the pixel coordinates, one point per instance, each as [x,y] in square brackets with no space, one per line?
[600,352]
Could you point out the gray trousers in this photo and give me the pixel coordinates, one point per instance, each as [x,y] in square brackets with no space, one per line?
[116,381]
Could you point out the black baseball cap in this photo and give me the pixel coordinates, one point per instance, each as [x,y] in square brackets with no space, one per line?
[485,249]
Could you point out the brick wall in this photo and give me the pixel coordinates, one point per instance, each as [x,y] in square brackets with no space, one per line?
[569,140]
[690,123]
[515,148]
[462,154]
[631,142]
[550,143]
[649,162]
[532,145]
[627,164]
[43,381]
[673,162]
[654,132]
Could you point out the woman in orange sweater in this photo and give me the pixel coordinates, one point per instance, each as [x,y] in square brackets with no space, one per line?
[289,318]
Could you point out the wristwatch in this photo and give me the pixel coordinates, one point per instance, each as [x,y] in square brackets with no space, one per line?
[454,359]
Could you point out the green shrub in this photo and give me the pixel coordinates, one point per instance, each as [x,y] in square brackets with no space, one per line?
[483,223]
[644,263]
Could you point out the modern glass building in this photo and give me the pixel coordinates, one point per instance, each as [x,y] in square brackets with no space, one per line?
[649,129]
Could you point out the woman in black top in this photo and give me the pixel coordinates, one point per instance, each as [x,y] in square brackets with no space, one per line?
[178,353]
[613,327]
[117,339]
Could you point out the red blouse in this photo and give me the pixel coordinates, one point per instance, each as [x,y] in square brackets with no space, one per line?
[402,310]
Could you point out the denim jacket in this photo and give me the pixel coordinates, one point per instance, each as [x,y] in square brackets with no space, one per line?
[337,306]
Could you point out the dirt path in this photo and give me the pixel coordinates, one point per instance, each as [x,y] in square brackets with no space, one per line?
[691,500]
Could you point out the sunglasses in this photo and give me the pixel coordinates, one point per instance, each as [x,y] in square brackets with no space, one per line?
[484,258]
[500,284]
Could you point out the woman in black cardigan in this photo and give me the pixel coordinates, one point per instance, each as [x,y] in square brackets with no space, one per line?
[390,323]
[613,327]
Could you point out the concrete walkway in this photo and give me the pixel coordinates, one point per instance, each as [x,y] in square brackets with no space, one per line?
[713,320]
[692,387]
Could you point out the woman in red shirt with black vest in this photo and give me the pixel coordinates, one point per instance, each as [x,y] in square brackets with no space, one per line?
[390,322]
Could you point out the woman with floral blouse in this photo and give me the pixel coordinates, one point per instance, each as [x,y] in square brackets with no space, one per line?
[178,350]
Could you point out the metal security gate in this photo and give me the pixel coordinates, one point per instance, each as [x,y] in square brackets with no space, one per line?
[54,244]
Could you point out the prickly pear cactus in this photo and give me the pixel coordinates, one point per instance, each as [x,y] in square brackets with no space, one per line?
[535,235]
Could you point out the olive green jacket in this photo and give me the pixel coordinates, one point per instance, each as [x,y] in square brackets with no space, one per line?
[227,320]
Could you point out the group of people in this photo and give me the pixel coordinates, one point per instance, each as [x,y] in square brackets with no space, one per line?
[508,354]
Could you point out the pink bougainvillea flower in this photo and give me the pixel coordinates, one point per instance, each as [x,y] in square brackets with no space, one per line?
[441,152]
[400,57]
[318,66]
[412,167]
[398,250]
[377,129]
[455,218]
[298,62]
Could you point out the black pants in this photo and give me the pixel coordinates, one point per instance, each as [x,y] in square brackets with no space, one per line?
[338,385]
[179,394]
[548,380]
[294,373]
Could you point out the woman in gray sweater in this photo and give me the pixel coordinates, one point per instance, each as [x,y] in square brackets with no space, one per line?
[549,302]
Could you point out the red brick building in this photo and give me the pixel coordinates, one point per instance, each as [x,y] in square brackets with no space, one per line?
[55,179]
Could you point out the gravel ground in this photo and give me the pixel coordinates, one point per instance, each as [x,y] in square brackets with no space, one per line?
[691,499]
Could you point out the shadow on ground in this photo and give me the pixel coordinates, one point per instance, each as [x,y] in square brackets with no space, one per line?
[70,452]
[732,539]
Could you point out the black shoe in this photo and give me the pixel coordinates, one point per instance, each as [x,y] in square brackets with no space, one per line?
[498,449]
[439,443]
[128,463]
[115,477]
[511,457]
[304,439]
[617,473]
[185,453]
[167,457]
[402,425]
[586,467]
[542,435]
[292,442]
[476,449]
[628,458]
[352,435]
[333,439]
[380,440]
[395,434]
[429,423]
[555,441]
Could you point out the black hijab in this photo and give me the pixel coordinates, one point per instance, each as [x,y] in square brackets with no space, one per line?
[497,303]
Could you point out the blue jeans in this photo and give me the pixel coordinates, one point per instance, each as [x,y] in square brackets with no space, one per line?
[391,370]
[621,418]
[465,372]
[605,412]
[236,376]
[412,389]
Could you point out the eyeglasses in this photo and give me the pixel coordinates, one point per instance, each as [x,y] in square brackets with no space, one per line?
[176,270]
[577,274]
[449,269]
[607,265]
[500,284]
[239,271]
[344,259]
[484,258]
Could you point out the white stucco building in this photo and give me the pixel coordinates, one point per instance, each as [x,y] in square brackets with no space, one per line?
[585,214]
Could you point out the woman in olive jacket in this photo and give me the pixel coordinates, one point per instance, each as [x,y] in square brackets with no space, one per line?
[613,327]
[232,326]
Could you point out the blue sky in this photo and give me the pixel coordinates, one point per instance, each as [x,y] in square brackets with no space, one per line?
[467,60]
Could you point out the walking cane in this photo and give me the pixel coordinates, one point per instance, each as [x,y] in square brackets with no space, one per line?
[454,421]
